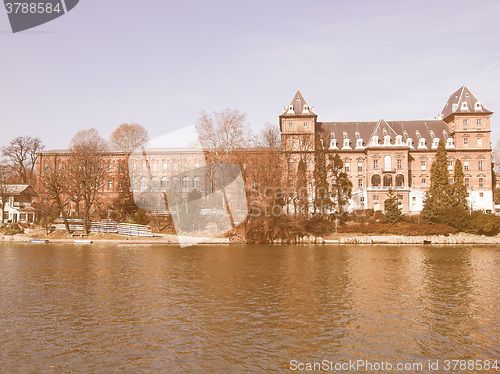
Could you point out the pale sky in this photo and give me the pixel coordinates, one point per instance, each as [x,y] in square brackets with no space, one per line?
[159,63]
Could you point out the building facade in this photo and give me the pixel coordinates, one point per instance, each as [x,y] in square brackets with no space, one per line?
[383,155]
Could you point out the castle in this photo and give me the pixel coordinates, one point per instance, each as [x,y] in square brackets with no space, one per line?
[383,155]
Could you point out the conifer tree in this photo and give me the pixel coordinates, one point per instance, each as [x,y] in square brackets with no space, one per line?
[341,185]
[439,199]
[458,188]
[393,212]
[322,200]
[302,195]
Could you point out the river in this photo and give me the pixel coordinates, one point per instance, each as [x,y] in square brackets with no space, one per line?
[244,308]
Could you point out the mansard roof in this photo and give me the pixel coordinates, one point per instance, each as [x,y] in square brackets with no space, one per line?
[298,107]
[463,101]
[428,129]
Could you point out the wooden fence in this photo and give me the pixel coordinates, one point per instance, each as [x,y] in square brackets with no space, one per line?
[110,227]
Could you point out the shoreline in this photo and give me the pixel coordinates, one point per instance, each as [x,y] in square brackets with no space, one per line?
[459,239]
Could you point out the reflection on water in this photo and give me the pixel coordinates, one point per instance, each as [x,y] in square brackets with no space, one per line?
[243,308]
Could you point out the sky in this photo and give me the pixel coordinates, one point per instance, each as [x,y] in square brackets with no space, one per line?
[159,63]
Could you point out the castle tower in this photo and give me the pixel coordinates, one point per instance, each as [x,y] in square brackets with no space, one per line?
[468,121]
[298,125]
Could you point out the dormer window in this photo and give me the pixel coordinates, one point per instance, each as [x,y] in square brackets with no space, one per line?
[409,142]
[421,143]
[387,140]
[445,134]
[449,143]
[432,134]
[346,143]
[332,135]
[435,142]
[290,109]
[333,143]
[375,140]
[405,134]
[477,106]
[359,143]
[464,106]
[399,139]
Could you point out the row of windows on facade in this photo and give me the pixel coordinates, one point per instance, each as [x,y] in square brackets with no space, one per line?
[164,165]
[164,184]
[401,197]
[399,164]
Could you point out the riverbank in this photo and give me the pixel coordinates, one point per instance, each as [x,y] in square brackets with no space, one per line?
[337,239]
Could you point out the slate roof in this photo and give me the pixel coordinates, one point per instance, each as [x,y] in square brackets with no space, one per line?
[298,102]
[455,104]
[17,189]
[365,130]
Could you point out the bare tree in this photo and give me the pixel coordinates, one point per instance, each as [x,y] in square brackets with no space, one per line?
[87,171]
[4,170]
[128,137]
[55,187]
[269,137]
[223,133]
[21,156]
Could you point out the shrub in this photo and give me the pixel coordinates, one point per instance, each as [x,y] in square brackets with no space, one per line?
[398,229]
[483,224]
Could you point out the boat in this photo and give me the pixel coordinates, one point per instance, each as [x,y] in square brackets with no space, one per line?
[39,241]
[427,242]
[83,241]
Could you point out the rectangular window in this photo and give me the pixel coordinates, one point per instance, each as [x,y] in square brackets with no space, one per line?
[155,166]
[110,167]
[375,164]
[466,140]
[479,141]
[467,182]
[144,166]
[360,183]
[450,165]
[176,166]
[480,165]
[375,197]
[400,164]
[481,194]
[422,165]
[424,182]
[186,165]
[306,125]
[414,198]
[481,182]
[400,197]
[465,122]
[290,125]
[290,143]
[197,165]
[347,166]
[479,121]
[360,166]
[466,165]
[110,185]
[165,166]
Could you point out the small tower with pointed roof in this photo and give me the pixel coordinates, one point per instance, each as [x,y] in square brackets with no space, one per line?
[468,120]
[298,125]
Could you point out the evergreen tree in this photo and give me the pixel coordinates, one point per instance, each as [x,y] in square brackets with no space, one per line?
[458,188]
[341,185]
[393,212]
[322,200]
[439,199]
[302,195]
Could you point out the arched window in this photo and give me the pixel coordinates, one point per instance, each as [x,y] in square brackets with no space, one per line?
[175,183]
[144,184]
[376,181]
[154,184]
[164,183]
[387,162]
[400,181]
[197,183]
[185,184]
[387,181]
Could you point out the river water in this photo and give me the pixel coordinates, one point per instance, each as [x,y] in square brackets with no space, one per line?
[244,309]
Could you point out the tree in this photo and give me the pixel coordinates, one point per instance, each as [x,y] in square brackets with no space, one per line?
[128,137]
[21,156]
[223,133]
[302,195]
[459,190]
[341,185]
[4,171]
[393,212]
[87,171]
[55,183]
[439,199]
[322,200]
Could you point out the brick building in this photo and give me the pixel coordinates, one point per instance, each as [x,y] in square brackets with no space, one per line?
[383,154]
